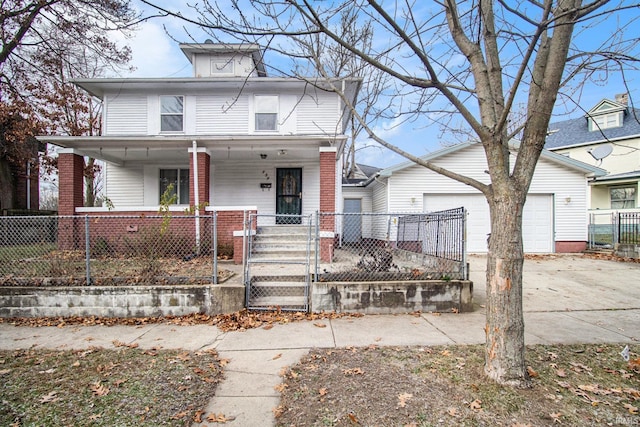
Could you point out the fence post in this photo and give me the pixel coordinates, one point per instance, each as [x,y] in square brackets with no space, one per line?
[87,249]
[214,234]
[317,243]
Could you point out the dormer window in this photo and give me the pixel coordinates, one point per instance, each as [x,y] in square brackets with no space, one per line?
[171,113]
[605,121]
[266,112]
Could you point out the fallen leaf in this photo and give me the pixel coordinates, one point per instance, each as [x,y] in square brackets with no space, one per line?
[532,373]
[267,327]
[319,325]
[224,362]
[95,417]
[278,411]
[476,405]
[197,418]
[277,356]
[354,371]
[353,418]
[633,410]
[561,373]
[99,389]
[452,412]
[323,391]
[4,371]
[219,418]
[50,397]
[281,387]
[555,416]
[403,399]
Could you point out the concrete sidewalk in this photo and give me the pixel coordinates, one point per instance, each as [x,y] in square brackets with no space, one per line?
[567,299]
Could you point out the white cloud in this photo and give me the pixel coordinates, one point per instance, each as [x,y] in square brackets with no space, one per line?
[155,54]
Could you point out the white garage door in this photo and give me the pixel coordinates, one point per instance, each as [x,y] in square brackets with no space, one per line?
[537,221]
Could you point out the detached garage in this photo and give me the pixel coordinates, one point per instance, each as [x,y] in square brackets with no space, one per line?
[555,214]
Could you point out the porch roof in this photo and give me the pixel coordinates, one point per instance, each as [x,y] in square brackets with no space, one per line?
[118,149]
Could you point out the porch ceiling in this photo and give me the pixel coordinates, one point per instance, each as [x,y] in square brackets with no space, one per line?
[121,150]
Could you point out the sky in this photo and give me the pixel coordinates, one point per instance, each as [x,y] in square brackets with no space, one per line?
[155,53]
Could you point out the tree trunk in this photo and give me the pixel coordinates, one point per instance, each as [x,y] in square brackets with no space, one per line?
[505,356]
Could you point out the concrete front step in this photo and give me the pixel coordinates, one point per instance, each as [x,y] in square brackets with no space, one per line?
[284,245]
[284,229]
[290,255]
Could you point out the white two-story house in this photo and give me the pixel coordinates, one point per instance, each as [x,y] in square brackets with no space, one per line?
[230,137]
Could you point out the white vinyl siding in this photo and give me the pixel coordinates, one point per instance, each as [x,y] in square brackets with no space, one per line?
[220,114]
[238,184]
[124,185]
[126,115]
[318,113]
[567,186]
[537,219]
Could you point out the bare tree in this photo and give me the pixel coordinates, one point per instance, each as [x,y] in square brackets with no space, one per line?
[45,43]
[462,64]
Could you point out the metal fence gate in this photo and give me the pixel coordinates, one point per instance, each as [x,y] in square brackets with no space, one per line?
[279,251]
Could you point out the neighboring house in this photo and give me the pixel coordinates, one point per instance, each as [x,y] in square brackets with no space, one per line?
[262,144]
[608,136]
[555,214]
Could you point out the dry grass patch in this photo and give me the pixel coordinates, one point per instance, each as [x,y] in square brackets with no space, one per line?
[586,385]
[124,386]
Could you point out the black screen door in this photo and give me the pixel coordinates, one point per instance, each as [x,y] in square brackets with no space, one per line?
[289,195]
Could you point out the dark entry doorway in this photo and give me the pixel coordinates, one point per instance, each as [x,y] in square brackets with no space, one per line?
[288,195]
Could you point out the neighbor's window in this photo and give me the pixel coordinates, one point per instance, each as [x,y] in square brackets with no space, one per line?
[266,110]
[180,180]
[171,113]
[221,66]
[623,197]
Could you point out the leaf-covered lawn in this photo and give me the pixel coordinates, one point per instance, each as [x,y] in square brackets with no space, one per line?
[124,386]
[577,385]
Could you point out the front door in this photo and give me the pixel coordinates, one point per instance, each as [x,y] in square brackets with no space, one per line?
[288,195]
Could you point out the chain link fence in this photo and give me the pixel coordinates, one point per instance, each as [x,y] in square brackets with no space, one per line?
[396,247]
[108,250]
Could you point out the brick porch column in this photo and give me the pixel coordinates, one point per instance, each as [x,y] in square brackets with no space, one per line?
[70,196]
[204,173]
[327,201]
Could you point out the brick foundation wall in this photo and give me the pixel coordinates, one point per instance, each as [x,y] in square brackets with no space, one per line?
[570,247]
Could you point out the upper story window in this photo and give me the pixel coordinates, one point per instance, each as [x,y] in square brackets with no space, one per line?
[266,112]
[623,197]
[171,113]
[221,66]
[605,121]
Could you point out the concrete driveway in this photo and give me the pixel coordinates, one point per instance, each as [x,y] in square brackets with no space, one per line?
[572,296]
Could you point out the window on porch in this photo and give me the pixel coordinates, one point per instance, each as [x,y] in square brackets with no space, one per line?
[266,112]
[623,197]
[171,114]
[180,180]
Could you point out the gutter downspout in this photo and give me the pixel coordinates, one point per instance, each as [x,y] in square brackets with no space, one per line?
[196,195]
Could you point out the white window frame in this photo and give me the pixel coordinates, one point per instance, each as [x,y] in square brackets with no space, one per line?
[171,113]
[627,202]
[605,121]
[222,66]
[180,200]
[263,107]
